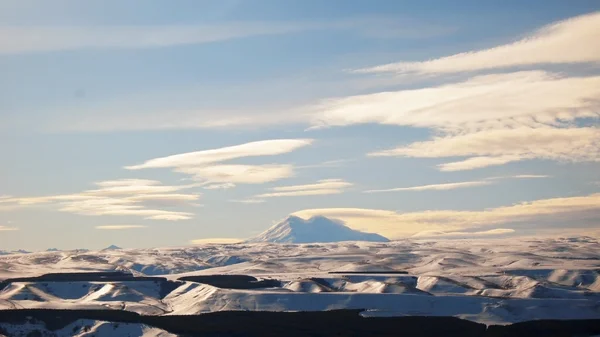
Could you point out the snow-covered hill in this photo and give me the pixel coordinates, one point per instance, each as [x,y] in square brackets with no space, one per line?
[492,281]
[316,229]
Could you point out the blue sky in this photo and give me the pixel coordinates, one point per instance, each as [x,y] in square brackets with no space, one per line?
[428,119]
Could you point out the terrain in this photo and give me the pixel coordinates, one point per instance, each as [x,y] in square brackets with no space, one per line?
[493,283]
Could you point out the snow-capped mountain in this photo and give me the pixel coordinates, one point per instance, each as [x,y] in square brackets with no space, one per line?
[316,229]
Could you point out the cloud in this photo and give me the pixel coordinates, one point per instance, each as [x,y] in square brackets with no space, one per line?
[328,163]
[5,229]
[249,201]
[207,166]
[126,197]
[488,120]
[395,225]
[223,186]
[119,227]
[199,158]
[238,174]
[455,185]
[493,147]
[322,187]
[35,39]
[477,162]
[570,41]
[215,241]
[491,232]
[32,39]
[533,99]
[437,187]
[530,176]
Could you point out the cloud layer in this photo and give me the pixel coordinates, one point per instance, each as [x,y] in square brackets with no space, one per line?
[436,234]
[435,187]
[35,39]
[215,241]
[125,197]
[119,227]
[206,166]
[567,42]
[322,187]
[396,225]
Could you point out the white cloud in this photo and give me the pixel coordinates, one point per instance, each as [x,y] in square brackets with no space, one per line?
[238,174]
[437,187]
[127,197]
[530,176]
[32,39]
[199,158]
[249,201]
[438,234]
[395,225]
[223,186]
[566,42]
[493,147]
[532,99]
[322,187]
[215,241]
[477,162]
[206,166]
[5,228]
[455,185]
[119,227]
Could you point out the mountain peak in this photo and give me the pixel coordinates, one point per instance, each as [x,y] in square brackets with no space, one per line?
[294,229]
[112,247]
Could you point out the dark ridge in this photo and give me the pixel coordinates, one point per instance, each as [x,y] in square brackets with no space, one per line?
[263,324]
[72,277]
[550,328]
[323,283]
[370,272]
[320,323]
[232,281]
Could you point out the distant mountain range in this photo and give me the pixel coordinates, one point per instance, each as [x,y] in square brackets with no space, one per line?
[316,229]
[20,251]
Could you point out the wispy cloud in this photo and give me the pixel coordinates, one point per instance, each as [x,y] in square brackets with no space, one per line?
[530,176]
[438,234]
[565,42]
[5,228]
[322,187]
[119,227]
[436,187]
[328,163]
[206,166]
[35,39]
[223,186]
[127,197]
[533,99]
[494,147]
[455,185]
[215,241]
[395,225]
[248,201]
[199,158]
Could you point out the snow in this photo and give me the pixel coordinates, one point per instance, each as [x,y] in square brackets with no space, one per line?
[87,328]
[493,281]
[316,229]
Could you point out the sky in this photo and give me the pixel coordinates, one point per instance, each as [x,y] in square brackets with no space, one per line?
[160,123]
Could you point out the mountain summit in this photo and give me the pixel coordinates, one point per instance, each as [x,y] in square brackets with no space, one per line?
[316,229]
